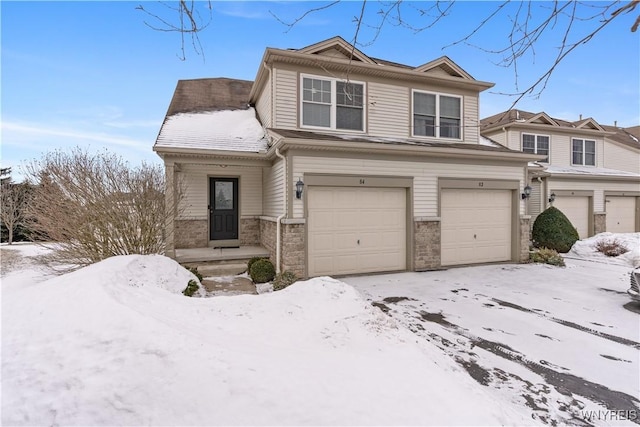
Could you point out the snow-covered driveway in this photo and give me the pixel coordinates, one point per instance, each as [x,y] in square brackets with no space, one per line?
[563,341]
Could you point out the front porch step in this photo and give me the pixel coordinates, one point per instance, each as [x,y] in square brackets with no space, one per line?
[222,269]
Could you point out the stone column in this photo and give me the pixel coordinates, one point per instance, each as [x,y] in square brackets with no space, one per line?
[426,243]
[293,256]
[599,222]
[525,237]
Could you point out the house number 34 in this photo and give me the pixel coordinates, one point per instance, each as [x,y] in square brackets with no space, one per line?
[362,182]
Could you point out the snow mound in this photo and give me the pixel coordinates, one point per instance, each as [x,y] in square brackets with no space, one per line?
[586,249]
[112,344]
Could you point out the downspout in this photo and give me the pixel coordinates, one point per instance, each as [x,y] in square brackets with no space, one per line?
[284,212]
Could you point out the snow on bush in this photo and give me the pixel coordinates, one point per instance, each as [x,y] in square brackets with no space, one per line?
[588,248]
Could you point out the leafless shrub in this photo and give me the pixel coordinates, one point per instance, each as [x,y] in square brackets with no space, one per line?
[611,248]
[14,199]
[96,206]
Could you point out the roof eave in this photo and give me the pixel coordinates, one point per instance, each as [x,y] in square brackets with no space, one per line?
[399,149]
[278,55]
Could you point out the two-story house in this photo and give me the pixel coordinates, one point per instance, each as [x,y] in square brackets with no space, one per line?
[339,163]
[591,172]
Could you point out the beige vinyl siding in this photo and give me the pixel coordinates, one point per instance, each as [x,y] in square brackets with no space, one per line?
[471,121]
[389,110]
[263,106]
[535,204]
[195,181]
[499,137]
[286,93]
[273,195]
[617,157]
[598,188]
[426,174]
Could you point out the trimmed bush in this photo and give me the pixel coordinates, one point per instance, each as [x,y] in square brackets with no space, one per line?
[194,270]
[553,230]
[284,279]
[262,271]
[611,248]
[192,288]
[253,260]
[547,256]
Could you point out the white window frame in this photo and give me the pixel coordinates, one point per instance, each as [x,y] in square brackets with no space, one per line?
[332,119]
[437,121]
[584,152]
[536,135]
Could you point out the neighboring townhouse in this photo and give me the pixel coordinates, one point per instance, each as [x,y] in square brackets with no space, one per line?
[591,172]
[339,163]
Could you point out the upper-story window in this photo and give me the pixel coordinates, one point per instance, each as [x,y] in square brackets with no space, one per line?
[583,152]
[437,115]
[536,144]
[332,104]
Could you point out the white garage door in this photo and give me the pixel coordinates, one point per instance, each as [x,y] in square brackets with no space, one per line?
[621,214]
[356,230]
[476,226]
[576,208]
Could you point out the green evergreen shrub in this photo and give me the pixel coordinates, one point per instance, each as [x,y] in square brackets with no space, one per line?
[553,230]
[547,256]
[262,271]
[195,272]
[191,288]
[252,260]
[284,279]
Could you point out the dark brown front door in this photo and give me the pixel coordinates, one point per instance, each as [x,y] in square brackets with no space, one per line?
[223,208]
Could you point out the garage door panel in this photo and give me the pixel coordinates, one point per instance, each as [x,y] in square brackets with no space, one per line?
[476,226]
[621,214]
[576,209]
[367,228]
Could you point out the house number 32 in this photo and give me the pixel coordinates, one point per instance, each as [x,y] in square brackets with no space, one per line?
[480,184]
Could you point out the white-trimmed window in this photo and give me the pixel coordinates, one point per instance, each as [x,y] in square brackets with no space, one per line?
[536,144]
[332,104]
[583,152]
[437,115]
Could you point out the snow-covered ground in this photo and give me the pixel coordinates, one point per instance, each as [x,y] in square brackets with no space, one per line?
[117,343]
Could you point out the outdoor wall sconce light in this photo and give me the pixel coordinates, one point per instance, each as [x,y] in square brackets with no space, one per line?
[299,188]
[552,197]
[527,192]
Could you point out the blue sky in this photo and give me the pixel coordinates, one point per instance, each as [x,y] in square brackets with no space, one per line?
[93,74]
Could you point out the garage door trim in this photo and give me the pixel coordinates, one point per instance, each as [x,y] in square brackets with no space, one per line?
[490,184]
[580,193]
[362,181]
[635,194]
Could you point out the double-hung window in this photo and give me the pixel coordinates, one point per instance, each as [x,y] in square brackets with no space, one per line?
[583,152]
[332,104]
[536,144]
[437,115]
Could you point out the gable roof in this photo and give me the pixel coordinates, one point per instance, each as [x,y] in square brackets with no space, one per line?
[213,94]
[445,65]
[339,45]
[629,137]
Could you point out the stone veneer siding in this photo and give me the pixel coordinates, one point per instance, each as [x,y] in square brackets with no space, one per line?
[191,233]
[268,237]
[249,231]
[599,222]
[426,244]
[525,237]
[294,248]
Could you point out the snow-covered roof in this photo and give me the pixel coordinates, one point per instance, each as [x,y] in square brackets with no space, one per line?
[586,170]
[226,130]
